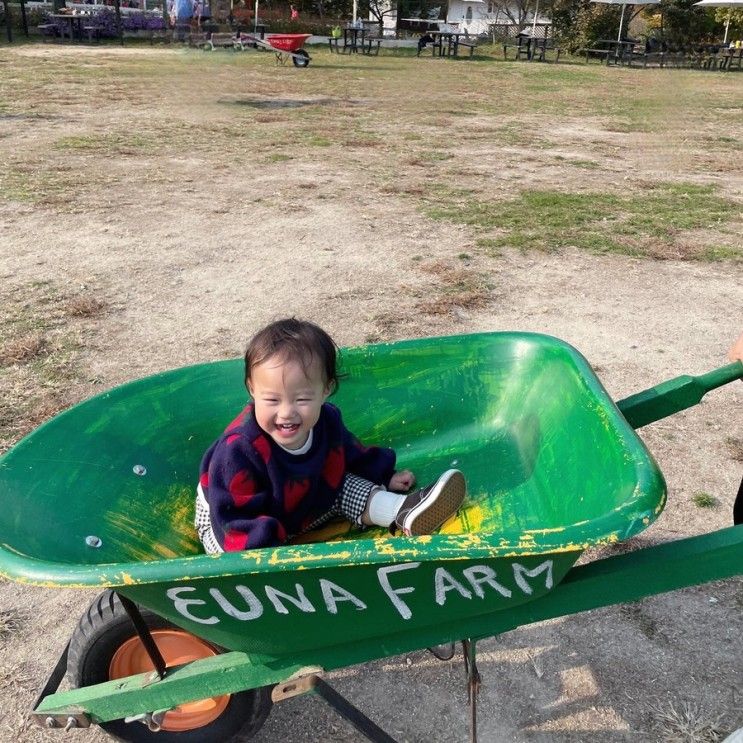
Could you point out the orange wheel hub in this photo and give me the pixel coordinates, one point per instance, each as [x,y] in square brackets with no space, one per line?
[176,647]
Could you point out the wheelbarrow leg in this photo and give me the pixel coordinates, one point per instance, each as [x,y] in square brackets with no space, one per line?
[60,669]
[144,635]
[68,721]
[55,678]
[313,683]
[354,715]
[473,683]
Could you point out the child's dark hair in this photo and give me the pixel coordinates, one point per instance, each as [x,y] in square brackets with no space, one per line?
[294,340]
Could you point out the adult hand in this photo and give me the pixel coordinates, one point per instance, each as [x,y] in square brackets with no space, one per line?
[401,481]
[736,350]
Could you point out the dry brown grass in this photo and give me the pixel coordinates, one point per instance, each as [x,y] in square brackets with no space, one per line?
[734,445]
[16,677]
[686,723]
[11,620]
[23,348]
[457,287]
[390,325]
[85,305]
[17,680]
[360,142]
[43,331]
[398,188]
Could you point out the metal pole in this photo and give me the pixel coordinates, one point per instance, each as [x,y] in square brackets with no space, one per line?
[355,9]
[23,17]
[119,27]
[727,26]
[534,25]
[255,18]
[8,20]
[621,23]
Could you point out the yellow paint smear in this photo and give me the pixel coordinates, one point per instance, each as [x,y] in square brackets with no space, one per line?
[552,530]
[291,559]
[469,519]
[397,548]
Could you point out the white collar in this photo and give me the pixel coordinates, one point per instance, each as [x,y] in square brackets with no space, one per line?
[302,449]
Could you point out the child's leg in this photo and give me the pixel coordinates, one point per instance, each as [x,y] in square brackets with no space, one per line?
[356,497]
[203,524]
[420,512]
[425,510]
[349,504]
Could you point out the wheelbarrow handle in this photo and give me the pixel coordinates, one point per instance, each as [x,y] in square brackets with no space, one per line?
[630,577]
[674,395]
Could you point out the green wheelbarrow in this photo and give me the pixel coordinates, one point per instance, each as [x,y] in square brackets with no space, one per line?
[183,646]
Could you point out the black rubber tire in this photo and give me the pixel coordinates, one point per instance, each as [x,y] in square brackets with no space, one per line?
[302,59]
[102,630]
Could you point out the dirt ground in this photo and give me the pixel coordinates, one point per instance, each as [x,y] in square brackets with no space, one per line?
[148,222]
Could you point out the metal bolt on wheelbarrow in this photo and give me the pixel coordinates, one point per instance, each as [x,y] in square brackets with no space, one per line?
[190,647]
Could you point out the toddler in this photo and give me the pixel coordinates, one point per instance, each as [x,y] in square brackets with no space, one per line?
[287,464]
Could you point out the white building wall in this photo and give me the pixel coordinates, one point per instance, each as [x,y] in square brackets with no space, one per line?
[470,16]
[476,15]
[473,15]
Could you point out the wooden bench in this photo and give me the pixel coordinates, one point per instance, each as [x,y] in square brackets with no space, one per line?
[730,59]
[541,55]
[245,41]
[467,45]
[93,33]
[219,41]
[48,31]
[162,35]
[196,39]
[629,58]
[605,53]
[370,46]
[523,51]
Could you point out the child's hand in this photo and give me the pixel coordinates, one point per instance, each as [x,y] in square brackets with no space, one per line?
[402,481]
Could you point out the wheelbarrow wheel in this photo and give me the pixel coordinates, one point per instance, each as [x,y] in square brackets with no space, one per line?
[301,58]
[105,646]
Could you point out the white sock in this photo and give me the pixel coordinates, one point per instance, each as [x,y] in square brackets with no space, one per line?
[383,507]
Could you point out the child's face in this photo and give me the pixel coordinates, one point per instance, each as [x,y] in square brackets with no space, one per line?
[287,402]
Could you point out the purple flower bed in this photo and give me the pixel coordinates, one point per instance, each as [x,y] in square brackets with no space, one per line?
[105,19]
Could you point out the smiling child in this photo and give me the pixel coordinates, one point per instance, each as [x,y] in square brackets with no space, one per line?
[287,464]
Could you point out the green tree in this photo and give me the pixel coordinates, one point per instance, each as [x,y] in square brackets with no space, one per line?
[735,31]
[685,25]
[579,24]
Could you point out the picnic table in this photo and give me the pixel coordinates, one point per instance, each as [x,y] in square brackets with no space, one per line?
[355,40]
[708,57]
[611,50]
[532,48]
[447,43]
[731,59]
[74,24]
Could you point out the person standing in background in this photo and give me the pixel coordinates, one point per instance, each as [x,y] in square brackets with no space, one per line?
[183,14]
[294,13]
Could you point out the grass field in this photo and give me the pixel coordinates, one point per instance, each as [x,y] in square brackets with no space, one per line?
[525,156]
[157,205]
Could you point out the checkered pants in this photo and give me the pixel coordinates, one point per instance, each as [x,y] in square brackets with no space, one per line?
[350,505]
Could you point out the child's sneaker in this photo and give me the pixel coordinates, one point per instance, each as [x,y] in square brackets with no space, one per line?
[424,510]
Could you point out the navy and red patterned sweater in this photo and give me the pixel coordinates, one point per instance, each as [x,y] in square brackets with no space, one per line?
[259,494]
